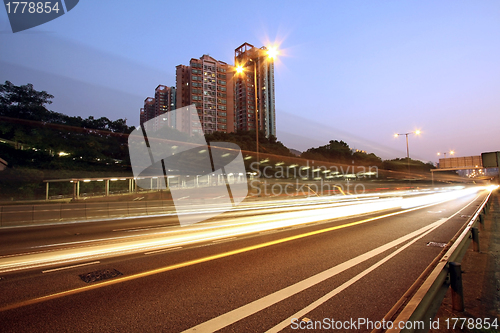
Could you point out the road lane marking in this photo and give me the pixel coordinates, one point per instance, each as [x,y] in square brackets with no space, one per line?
[244,311]
[201,260]
[192,262]
[164,250]
[68,267]
[345,285]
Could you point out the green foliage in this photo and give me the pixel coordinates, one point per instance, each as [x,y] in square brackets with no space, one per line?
[91,143]
[24,102]
[340,152]
[401,164]
[246,141]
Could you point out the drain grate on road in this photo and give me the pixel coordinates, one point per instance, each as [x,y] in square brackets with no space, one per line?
[102,274]
[435,244]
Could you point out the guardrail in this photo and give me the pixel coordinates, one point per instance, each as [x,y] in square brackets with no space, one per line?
[425,296]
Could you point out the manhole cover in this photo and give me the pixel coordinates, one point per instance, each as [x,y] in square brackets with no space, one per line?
[99,275]
[436,244]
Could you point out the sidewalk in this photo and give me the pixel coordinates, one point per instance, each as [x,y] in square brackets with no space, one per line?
[480,275]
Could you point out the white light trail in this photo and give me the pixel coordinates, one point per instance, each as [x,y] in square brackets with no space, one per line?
[226,229]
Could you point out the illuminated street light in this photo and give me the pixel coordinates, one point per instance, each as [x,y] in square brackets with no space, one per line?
[417,132]
[451,153]
[272,53]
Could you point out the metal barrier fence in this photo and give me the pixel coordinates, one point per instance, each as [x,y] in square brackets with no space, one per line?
[425,296]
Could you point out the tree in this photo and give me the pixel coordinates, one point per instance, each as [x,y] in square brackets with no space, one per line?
[334,151]
[91,140]
[24,102]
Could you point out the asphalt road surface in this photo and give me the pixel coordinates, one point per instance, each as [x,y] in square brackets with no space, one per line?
[245,271]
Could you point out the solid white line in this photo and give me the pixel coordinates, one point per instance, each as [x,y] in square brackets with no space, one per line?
[344,286]
[68,267]
[235,315]
[164,250]
[347,284]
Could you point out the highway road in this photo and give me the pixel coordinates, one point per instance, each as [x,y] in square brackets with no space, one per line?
[250,270]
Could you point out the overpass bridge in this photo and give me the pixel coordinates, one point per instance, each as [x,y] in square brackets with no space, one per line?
[479,162]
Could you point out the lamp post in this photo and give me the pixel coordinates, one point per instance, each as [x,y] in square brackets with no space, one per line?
[417,132]
[257,124]
[271,54]
[451,153]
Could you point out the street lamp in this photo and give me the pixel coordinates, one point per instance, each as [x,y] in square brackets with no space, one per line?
[451,153]
[272,53]
[417,132]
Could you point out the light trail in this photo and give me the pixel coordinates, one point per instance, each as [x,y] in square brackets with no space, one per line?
[208,232]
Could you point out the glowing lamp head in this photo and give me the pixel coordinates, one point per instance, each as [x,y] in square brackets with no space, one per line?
[272,52]
[417,132]
[239,69]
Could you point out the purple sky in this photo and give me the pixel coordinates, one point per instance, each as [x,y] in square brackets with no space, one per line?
[357,71]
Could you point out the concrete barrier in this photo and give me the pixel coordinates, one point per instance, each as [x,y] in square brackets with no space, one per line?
[38,214]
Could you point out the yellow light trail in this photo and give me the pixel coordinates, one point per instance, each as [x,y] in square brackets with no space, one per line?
[209,258]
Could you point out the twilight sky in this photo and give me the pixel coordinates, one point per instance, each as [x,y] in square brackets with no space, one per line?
[357,71]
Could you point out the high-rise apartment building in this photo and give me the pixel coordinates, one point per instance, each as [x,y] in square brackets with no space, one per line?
[208,84]
[257,64]
[163,102]
[224,99]
[148,111]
